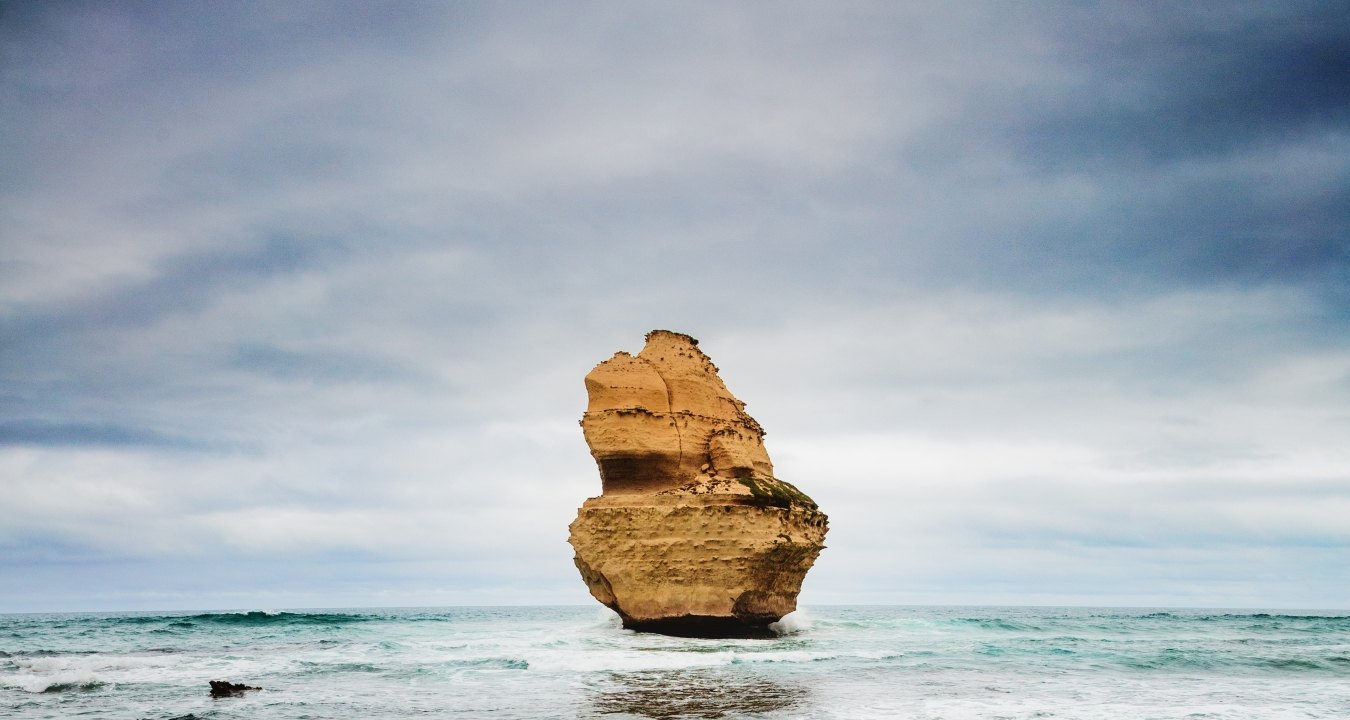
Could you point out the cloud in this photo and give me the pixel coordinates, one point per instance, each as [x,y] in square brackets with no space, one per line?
[44,434]
[1160,84]
[1021,289]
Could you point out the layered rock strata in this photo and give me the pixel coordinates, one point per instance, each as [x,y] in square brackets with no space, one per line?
[692,534]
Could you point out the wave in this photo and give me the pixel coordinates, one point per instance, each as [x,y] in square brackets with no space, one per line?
[47,671]
[252,618]
[786,656]
[441,666]
[45,653]
[995,624]
[1216,617]
[282,618]
[1293,664]
[77,684]
[1177,659]
[1334,620]
[323,668]
[792,623]
[46,675]
[1171,658]
[505,663]
[627,660]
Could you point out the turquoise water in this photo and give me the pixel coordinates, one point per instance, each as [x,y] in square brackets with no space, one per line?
[576,662]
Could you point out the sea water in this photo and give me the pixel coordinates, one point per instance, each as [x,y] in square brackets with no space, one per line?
[577,662]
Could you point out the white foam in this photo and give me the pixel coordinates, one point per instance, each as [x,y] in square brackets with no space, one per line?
[607,618]
[784,656]
[626,660]
[41,674]
[792,623]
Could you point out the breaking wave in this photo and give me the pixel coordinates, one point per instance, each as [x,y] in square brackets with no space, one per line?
[250,618]
[792,623]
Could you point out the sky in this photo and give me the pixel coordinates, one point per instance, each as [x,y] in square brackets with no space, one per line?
[1044,303]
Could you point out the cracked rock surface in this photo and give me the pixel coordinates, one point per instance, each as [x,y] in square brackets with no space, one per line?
[692,534]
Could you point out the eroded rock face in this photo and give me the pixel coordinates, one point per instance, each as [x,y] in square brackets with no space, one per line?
[693,535]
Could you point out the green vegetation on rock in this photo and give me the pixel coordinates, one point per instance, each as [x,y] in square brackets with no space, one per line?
[776,492]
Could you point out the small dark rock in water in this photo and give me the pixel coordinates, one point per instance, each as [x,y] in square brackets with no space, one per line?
[221,688]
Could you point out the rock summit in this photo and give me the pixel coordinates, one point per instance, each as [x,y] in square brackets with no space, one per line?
[692,534]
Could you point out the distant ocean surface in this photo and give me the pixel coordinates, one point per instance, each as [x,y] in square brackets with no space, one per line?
[576,662]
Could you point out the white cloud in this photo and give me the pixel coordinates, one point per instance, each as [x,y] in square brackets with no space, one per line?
[349,287]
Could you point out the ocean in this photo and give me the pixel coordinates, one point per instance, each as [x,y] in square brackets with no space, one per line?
[576,662]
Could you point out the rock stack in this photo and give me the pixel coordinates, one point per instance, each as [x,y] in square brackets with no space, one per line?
[692,534]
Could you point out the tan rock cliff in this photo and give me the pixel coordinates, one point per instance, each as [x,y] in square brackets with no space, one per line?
[693,535]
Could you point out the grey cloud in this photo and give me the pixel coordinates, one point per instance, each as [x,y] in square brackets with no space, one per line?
[32,432]
[366,254]
[1155,146]
[327,367]
[181,285]
[1161,83]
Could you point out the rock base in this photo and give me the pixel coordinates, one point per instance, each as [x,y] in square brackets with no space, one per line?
[715,566]
[702,626]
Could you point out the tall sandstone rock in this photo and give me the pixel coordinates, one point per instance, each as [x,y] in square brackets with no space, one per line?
[692,534]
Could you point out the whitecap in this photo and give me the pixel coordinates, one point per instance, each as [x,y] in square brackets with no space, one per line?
[792,623]
[783,656]
[626,661]
[52,673]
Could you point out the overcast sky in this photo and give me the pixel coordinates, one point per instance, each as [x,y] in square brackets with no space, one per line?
[1044,303]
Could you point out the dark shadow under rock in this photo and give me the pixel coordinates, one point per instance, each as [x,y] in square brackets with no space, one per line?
[702,626]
